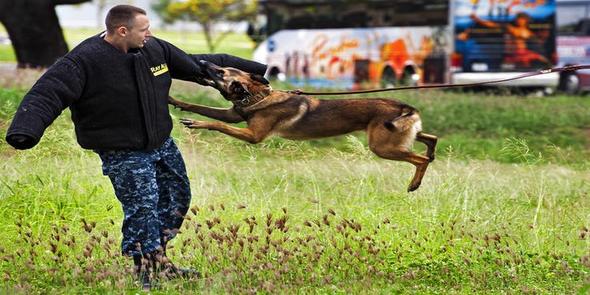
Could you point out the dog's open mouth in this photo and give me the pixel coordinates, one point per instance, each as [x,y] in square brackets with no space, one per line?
[210,74]
[212,78]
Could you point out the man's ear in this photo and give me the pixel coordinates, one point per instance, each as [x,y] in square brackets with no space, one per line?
[259,78]
[122,31]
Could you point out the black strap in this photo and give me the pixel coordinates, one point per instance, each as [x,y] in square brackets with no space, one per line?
[525,75]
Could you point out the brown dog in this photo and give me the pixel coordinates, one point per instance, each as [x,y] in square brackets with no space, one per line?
[391,126]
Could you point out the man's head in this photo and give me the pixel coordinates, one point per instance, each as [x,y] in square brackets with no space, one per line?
[128,26]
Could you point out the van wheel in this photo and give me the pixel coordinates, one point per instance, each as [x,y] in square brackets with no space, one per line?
[275,74]
[570,84]
[407,78]
[388,78]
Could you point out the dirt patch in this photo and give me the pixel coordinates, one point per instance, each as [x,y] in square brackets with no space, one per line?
[11,77]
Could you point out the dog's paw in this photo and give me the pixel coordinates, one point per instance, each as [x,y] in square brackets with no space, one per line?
[413,187]
[194,124]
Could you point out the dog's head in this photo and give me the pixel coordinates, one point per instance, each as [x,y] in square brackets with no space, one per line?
[234,84]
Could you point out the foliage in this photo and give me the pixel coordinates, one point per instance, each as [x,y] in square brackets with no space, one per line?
[161,8]
[208,13]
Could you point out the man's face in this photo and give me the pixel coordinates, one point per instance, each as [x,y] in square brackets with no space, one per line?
[139,32]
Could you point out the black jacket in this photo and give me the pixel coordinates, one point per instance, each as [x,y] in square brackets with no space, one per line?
[117,100]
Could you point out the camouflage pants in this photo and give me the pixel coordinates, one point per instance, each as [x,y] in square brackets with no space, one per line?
[154,191]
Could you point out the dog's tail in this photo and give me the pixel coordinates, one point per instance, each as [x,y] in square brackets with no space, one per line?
[408,119]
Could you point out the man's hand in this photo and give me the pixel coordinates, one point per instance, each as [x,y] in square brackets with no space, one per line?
[21,141]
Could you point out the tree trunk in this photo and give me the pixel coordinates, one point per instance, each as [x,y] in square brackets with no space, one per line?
[34,30]
[207,31]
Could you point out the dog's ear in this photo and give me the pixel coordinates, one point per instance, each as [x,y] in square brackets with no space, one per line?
[259,78]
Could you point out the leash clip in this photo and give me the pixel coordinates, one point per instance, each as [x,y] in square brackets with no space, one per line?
[245,101]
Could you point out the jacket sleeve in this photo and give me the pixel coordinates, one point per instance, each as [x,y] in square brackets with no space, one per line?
[57,89]
[180,64]
[226,60]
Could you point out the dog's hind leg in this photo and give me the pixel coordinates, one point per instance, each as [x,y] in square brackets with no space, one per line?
[430,142]
[421,163]
[393,145]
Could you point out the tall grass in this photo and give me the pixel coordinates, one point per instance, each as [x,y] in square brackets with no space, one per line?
[503,209]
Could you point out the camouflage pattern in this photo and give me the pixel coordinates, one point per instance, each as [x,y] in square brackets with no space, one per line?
[154,191]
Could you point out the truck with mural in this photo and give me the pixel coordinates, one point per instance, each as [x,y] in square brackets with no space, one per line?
[351,58]
[379,43]
[356,44]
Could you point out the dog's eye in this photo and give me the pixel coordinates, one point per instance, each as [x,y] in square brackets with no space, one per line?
[237,88]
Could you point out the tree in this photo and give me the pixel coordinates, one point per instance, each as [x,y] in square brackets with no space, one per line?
[161,8]
[34,30]
[208,13]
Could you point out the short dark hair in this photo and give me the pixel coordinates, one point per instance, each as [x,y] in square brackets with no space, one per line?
[122,15]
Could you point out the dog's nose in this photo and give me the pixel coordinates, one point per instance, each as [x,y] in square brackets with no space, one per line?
[203,62]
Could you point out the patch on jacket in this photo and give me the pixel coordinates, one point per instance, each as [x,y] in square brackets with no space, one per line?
[159,70]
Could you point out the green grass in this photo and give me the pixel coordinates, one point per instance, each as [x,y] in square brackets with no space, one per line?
[7,54]
[503,209]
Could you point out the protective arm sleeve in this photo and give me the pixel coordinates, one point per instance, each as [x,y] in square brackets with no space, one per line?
[226,60]
[57,89]
[180,64]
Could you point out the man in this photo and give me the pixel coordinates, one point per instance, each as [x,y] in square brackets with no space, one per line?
[116,85]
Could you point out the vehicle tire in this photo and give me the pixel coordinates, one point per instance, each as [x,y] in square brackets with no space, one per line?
[570,83]
[274,74]
[388,78]
[406,79]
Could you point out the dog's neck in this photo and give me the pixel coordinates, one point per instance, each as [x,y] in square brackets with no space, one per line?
[252,99]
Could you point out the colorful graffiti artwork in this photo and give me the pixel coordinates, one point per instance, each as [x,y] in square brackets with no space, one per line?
[350,58]
[501,35]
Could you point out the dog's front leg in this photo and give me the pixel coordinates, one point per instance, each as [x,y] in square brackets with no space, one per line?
[225,115]
[251,134]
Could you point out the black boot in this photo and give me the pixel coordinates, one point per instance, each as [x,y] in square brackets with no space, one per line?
[142,270]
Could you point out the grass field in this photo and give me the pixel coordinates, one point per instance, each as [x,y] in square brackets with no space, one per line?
[503,209]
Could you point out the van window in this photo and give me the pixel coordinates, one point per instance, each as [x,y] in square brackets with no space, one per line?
[573,19]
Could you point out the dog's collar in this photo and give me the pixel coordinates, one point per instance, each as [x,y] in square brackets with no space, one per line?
[249,100]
